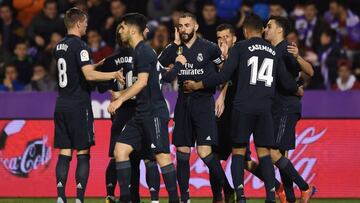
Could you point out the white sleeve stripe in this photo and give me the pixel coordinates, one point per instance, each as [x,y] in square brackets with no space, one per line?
[159,66]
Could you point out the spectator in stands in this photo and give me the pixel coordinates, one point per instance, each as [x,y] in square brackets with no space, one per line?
[161,38]
[98,12]
[64,5]
[172,22]
[310,25]
[45,23]
[99,48]
[159,8]
[209,22]
[346,23]
[27,9]
[10,82]
[22,62]
[328,55]
[346,80]
[10,28]
[118,9]
[245,9]
[276,9]
[40,81]
[227,10]
[4,56]
[82,5]
[46,57]
[356,66]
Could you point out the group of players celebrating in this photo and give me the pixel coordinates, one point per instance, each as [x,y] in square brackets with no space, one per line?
[259,96]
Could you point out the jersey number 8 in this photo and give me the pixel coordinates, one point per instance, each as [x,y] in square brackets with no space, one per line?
[61,64]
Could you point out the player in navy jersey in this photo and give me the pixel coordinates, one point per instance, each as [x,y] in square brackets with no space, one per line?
[226,37]
[194,58]
[73,115]
[257,66]
[286,108]
[148,128]
[122,59]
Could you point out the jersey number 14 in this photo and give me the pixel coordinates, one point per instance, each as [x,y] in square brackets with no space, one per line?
[265,72]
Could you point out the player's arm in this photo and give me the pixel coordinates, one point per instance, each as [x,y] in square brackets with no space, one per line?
[305,66]
[220,101]
[170,74]
[92,75]
[285,79]
[215,79]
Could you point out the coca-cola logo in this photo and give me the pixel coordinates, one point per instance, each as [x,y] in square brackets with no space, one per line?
[199,171]
[37,151]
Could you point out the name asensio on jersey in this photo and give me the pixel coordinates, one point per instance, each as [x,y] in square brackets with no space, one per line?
[262,48]
[189,70]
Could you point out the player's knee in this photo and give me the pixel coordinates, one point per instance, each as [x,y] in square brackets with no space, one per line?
[85,151]
[65,152]
[163,159]
[275,155]
[122,152]
[262,151]
[183,149]
[203,151]
[239,150]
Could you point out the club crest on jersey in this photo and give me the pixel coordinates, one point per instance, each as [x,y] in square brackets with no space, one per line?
[84,55]
[199,57]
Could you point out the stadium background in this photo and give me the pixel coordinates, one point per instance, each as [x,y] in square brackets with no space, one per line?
[327,136]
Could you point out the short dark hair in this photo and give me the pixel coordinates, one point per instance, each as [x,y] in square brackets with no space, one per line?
[208,3]
[135,19]
[47,2]
[282,22]
[329,32]
[225,26]
[72,16]
[189,15]
[253,22]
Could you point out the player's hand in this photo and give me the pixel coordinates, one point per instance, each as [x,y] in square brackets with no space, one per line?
[181,58]
[177,37]
[224,48]
[293,49]
[300,91]
[219,106]
[190,86]
[114,105]
[119,76]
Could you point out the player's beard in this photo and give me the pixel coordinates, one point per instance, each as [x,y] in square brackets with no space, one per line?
[184,37]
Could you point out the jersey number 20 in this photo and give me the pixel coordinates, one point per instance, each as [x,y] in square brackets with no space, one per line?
[61,64]
[265,72]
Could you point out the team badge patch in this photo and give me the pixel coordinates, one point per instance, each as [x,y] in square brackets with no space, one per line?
[199,57]
[84,55]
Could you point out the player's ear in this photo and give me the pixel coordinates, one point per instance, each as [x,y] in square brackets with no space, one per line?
[196,26]
[234,39]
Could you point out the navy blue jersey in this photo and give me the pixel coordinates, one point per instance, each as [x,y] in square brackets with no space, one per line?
[150,98]
[71,55]
[202,58]
[258,66]
[285,99]
[121,58]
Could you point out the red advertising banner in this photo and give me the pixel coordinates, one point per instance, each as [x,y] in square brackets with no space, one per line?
[326,156]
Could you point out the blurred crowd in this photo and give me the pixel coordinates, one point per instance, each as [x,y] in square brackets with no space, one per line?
[327,32]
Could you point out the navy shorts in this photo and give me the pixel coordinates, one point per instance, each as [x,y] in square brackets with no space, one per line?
[122,116]
[195,121]
[284,130]
[74,129]
[147,135]
[224,148]
[258,124]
